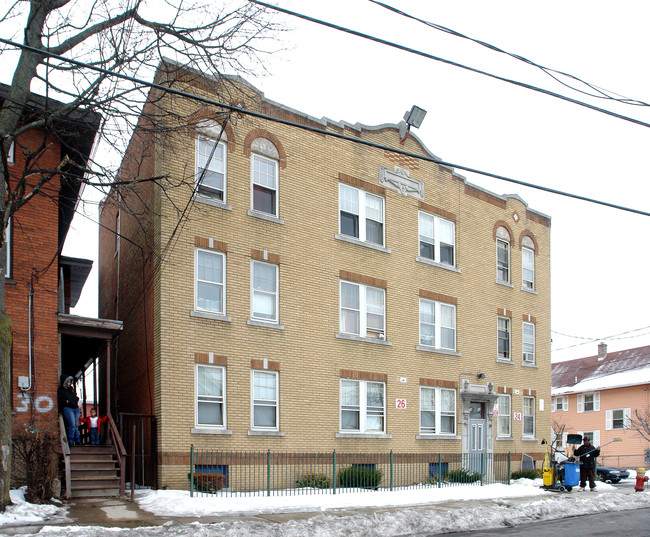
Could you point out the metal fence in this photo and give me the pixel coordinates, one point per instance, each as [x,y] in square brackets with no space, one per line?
[623,461]
[268,473]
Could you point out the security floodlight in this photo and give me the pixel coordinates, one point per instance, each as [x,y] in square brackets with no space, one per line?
[415,116]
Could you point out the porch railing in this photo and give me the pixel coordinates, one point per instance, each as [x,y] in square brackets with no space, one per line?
[277,473]
[120,452]
[65,449]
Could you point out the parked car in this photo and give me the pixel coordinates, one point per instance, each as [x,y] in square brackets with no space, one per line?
[611,474]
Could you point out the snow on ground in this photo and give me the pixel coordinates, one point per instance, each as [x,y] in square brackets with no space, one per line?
[422,511]
[22,512]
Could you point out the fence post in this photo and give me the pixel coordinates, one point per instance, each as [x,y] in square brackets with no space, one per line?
[391,469]
[334,472]
[268,472]
[191,470]
[482,467]
[439,470]
[508,467]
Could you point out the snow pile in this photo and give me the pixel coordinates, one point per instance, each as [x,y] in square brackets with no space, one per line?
[21,512]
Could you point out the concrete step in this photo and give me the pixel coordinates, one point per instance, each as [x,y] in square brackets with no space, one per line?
[95,482]
[96,493]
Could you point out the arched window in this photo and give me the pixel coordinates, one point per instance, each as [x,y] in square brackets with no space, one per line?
[503,255]
[527,263]
[211,160]
[264,177]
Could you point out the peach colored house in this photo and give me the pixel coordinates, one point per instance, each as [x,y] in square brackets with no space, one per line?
[598,396]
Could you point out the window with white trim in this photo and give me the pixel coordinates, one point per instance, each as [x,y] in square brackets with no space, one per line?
[437,324]
[264,184]
[528,335]
[503,338]
[618,418]
[210,396]
[589,402]
[264,292]
[8,248]
[528,411]
[437,410]
[10,153]
[437,238]
[503,419]
[560,403]
[528,267]
[210,281]
[211,167]
[363,406]
[361,215]
[264,400]
[362,310]
[503,255]
[593,436]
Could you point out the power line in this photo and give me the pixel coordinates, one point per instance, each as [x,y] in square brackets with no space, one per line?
[309,128]
[592,340]
[450,62]
[601,93]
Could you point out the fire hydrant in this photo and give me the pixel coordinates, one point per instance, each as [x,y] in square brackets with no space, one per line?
[641,478]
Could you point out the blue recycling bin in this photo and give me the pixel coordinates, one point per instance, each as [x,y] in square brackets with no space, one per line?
[571,474]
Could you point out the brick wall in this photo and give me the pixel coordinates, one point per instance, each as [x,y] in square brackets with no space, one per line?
[306,352]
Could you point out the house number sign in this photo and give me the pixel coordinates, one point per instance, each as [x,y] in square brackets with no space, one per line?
[516,416]
[400,403]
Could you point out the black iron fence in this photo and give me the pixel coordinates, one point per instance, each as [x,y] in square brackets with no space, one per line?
[270,473]
[138,432]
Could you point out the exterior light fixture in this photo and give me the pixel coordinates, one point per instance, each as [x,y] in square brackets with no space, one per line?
[412,118]
[480,375]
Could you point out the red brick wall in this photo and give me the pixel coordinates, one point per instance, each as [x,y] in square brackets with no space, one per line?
[34,245]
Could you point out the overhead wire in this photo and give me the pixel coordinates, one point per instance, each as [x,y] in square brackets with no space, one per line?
[601,93]
[452,63]
[325,132]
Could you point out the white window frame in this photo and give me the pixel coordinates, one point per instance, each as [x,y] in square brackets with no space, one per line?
[435,239]
[564,406]
[276,189]
[509,332]
[626,419]
[595,437]
[437,411]
[362,408]
[8,249]
[11,153]
[524,415]
[503,416]
[265,402]
[363,311]
[528,268]
[275,294]
[362,213]
[207,190]
[595,402]
[209,398]
[528,346]
[221,284]
[500,267]
[437,326]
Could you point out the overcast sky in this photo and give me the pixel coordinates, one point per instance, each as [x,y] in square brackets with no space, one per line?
[599,255]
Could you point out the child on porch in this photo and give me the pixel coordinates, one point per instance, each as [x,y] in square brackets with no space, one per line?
[94,423]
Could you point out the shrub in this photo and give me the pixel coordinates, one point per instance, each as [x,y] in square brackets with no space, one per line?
[461,476]
[528,474]
[359,476]
[35,463]
[208,482]
[317,481]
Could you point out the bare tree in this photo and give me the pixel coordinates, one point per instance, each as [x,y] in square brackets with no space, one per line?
[129,37]
[641,423]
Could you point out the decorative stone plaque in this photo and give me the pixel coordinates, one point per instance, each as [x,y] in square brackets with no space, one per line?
[401,181]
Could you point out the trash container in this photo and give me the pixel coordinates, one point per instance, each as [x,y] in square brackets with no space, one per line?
[571,474]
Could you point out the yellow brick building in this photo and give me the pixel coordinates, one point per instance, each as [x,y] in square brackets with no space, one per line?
[312,293]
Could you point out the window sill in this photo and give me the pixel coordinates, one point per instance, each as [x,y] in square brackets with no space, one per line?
[505,284]
[361,339]
[370,245]
[529,439]
[433,263]
[210,430]
[364,435]
[207,315]
[504,361]
[264,324]
[505,438]
[265,216]
[531,291]
[254,432]
[436,350]
[434,436]
[213,202]
[530,364]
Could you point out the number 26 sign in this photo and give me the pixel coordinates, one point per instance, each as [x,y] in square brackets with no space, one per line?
[516,416]
[400,403]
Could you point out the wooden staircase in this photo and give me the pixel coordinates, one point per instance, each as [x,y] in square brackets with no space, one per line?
[94,472]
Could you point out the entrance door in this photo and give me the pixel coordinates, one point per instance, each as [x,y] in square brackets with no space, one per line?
[477,437]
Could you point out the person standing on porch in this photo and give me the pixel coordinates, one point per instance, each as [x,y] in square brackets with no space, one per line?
[69,407]
[94,424]
[587,454]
